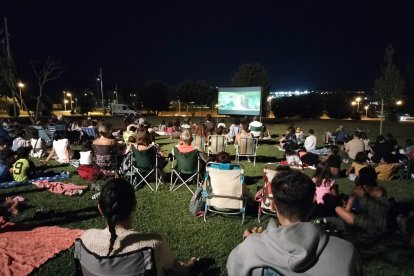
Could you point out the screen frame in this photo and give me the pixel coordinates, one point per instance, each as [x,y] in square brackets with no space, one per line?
[242,87]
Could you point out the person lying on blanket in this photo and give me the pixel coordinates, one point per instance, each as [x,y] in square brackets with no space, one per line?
[10,205]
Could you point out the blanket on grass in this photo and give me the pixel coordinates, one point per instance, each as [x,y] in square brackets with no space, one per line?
[60,187]
[22,251]
[12,184]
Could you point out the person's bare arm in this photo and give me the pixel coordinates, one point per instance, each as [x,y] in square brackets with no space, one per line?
[347,216]
[51,154]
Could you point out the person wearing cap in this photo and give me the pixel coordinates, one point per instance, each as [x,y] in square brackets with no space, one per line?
[370,203]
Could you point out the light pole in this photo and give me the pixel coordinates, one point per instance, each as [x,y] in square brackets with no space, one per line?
[353,104]
[71,101]
[101,86]
[179,107]
[64,99]
[21,86]
[65,102]
[366,111]
[358,100]
[76,102]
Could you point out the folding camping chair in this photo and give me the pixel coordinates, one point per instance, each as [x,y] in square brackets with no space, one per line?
[44,135]
[60,129]
[138,262]
[247,146]
[224,189]
[405,169]
[144,164]
[216,144]
[89,131]
[105,157]
[256,131]
[199,143]
[269,172]
[186,168]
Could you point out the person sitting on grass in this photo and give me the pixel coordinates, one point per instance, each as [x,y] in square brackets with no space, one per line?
[359,163]
[23,168]
[308,158]
[86,155]
[334,161]
[324,182]
[367,209]
[19,140]
[387,168]
[61,149]
[38,144]
[117,203]
[297,246]
[288,140]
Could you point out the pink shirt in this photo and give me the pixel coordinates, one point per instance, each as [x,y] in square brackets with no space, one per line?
[323,189]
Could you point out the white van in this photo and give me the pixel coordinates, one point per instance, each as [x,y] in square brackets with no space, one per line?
[122,109]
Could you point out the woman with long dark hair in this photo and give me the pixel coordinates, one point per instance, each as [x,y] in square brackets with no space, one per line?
[117,204]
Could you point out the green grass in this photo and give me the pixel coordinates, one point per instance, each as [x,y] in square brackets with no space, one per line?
[167,212]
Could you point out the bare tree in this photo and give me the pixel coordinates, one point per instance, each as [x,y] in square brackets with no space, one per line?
[44,73]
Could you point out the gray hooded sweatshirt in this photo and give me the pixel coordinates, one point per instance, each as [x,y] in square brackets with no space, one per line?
[296,249]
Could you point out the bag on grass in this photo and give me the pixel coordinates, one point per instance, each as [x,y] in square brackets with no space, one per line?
[88,172]
[197,201]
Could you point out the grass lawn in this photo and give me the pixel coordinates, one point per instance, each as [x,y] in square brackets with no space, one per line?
[167,212]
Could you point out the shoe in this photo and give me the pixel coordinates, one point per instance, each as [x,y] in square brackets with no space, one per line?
[96,196]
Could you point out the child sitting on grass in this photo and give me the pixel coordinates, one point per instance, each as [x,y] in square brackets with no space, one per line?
[359,163]
[23,168]
[323,182]
[86,153]
[387,168]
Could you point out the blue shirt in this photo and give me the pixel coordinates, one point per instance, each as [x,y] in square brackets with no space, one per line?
[4,172]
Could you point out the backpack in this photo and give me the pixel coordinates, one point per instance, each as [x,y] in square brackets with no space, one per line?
[197,201]
[88,172]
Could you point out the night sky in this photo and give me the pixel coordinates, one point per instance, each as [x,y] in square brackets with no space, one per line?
[302,44]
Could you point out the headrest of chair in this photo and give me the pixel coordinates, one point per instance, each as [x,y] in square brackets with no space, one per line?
[224,166]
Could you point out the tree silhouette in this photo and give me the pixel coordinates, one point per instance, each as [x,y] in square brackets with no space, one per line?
[44,73]
[154,96]
[390,85]
[253,75]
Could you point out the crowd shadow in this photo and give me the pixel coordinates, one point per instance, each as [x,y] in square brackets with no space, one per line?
[53,218]
[22,192]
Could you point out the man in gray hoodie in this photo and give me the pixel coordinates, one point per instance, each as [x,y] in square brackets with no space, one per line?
[297,246]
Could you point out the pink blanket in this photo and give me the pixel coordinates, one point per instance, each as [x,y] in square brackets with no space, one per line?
[23,251]
[60,187]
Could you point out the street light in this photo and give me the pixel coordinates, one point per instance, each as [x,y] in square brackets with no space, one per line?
[399,102]
[71,101]
[366,111]
[21,85]
[64,99]
[358,99]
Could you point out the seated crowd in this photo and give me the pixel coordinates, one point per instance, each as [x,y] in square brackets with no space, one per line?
[293,245]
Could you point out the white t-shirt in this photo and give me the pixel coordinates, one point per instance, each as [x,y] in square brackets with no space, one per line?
[85,157]
[37,144]
[61,148]
[18,143]
[310,142]
[256,128]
